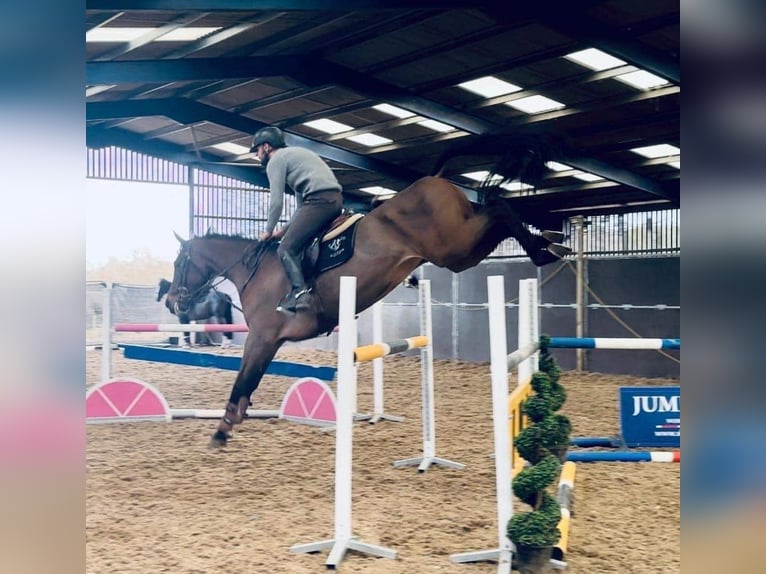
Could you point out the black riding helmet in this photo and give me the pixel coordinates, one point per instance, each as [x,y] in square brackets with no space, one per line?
[271,135]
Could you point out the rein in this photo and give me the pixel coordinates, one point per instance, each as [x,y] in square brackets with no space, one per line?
[251,258]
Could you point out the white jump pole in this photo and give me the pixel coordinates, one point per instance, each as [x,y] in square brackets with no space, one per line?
[528,330]
[347,341]
[427,383]
[500,416]
[377,369]
[106,343]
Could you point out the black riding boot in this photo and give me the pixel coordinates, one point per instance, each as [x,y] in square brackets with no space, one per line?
[298,298]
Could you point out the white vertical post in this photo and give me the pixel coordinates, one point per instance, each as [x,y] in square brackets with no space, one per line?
[106,349]
[427,385]
[500,418]
[346,374]
[426,372]
[377,369]
[347,342]
[529,331]
[377,364]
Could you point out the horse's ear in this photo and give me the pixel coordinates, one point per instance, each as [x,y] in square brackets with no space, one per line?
[181,239]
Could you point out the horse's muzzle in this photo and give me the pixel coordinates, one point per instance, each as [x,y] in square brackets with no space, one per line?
[176,304]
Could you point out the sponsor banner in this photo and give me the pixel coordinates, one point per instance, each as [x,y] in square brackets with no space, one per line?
[650,416]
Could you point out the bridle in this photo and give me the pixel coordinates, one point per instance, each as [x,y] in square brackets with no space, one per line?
[184,296]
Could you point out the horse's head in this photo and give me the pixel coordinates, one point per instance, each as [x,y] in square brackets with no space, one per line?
[190,278]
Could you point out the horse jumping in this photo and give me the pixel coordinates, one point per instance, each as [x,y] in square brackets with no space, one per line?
[430,220]
[210,306]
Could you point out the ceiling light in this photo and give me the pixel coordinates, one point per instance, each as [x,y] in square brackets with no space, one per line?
[476,175]
[328,126]
[186,34]
[436,126]
[93,90]
[370,140]
[595,59]
[393,111]
[535,104]
[675,164]
[642,80]
[482,175]
[556,166]
[116,34]
[588,176]
[232,148]
[517,186]
[655,151]
[489,87]
[377,190]
[113,34]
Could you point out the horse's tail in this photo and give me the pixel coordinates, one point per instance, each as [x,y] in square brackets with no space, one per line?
[521,157]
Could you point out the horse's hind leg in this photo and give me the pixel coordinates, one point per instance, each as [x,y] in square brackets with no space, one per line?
[541,249]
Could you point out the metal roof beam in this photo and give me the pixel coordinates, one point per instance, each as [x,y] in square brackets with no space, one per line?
[250,5]
[318,72]
[193,69]
[150,36]
[98,137]
[623,176]
[187,111]
[572,20]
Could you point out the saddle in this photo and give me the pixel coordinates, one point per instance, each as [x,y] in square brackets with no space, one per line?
[333,247]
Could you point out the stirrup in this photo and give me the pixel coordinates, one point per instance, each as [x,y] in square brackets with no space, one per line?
[294,300]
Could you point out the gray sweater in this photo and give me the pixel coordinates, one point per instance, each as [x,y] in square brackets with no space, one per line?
[300,169]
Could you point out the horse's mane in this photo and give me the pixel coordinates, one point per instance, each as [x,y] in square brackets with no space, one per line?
[213,235]
[257,251]
[521,157]
[254,252]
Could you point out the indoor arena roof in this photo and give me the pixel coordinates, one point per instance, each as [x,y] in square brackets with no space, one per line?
[381,88]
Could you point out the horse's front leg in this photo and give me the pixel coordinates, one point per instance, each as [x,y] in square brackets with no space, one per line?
[256,357]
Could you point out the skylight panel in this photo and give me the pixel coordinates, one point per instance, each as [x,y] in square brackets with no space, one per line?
[436,126]
[377,190]
[642,80]
[93,90]
[535,104]
[556,166]
[655,151]
[114,34]
[188,34]
[476,175]
[118,34]
[595,59]
[370,140]
[489,87]
[393,111]
[328,126]
[232,148]
[517,186]
[588,176]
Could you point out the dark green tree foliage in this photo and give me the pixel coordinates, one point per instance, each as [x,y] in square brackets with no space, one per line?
[543,443]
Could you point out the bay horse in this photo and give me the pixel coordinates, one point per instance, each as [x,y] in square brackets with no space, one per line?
[430,220]
[210,306]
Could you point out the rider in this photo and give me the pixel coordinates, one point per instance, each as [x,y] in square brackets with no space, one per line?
[319,199]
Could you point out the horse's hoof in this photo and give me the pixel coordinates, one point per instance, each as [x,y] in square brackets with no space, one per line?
[553,236]
[558,250]
[218,440]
